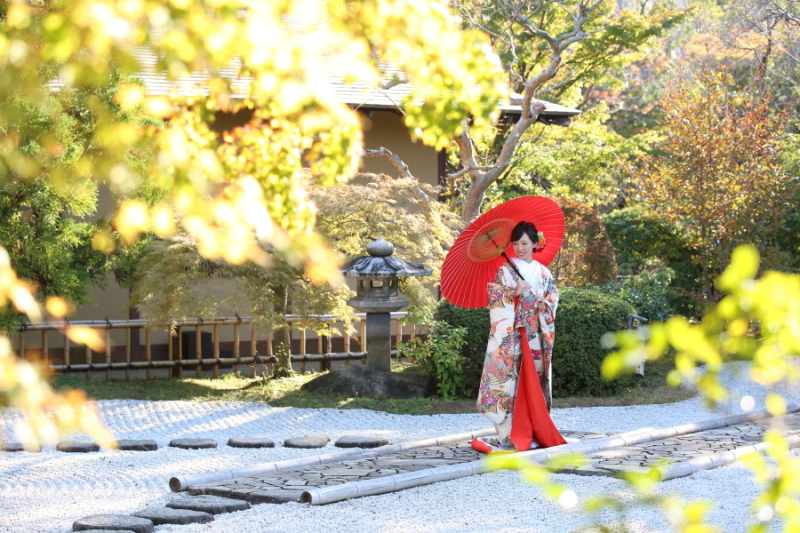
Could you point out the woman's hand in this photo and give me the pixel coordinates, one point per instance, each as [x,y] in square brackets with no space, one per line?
[522,286]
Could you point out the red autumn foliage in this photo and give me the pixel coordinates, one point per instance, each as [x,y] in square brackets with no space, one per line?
[587,255]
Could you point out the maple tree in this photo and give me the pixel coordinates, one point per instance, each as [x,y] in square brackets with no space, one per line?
[718,170]
[550,49]
[587,255]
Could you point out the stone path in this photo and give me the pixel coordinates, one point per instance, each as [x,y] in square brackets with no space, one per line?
[291,484]
[684,447]
[334,477]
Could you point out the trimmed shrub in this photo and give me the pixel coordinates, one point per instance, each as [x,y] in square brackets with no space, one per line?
[641,236]
[583,317]
[439,353]
[648,292]
[473,351]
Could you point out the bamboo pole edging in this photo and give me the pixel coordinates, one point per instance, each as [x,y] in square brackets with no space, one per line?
[182,483]
[705,462]
[541,455]
[332,494]
[382,485]
[370,487]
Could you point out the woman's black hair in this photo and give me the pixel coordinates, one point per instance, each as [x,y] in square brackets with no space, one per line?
[524,228]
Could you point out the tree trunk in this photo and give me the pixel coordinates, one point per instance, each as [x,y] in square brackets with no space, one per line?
[283,340]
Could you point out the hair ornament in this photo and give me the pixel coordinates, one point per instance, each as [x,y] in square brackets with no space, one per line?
[541,242]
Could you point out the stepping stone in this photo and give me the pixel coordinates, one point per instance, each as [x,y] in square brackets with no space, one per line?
[106,530]
[135,445]
[114,523]
[251,442]
[76,446]
[166,515]
[358,441]
[18,447]
[210,504]
[306,442]
[192,444]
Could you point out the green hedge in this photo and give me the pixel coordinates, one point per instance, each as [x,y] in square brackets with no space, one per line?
[476,321]
[641,236]
[583,317]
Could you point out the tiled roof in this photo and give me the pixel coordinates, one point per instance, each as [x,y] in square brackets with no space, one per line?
[357,94]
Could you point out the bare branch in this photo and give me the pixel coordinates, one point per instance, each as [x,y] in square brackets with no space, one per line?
[401,166]
[394,82]
[463,171]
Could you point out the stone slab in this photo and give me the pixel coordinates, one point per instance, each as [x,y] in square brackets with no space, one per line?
[111,522]
[167,515]
[76,446]
[365,381]
[106,531]
[251,442]
[18,447]
[359,441]
[193,444]
[306,442]
[210,504]
[137,445]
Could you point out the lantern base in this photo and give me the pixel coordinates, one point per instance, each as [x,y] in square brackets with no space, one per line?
[365,381]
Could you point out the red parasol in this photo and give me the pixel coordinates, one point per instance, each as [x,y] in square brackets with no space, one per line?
[476,255]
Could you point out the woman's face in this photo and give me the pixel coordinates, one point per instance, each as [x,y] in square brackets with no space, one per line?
[524,248]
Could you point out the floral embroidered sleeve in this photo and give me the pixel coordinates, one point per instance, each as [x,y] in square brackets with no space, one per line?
[549,297]
[501,290]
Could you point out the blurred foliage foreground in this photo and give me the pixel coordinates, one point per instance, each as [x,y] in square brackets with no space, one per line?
[771,306]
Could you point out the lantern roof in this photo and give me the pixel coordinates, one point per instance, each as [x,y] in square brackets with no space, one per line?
[380,263]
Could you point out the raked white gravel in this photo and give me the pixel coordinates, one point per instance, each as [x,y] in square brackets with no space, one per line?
[48,491]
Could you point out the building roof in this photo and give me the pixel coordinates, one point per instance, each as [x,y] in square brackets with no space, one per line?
[358,95]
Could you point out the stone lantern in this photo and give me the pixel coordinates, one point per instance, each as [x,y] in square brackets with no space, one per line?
[377,296]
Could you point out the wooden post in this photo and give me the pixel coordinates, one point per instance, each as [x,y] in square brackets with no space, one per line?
[22,344]
[236,352]
[108,350]
[45,349]
[128,352]
[346,347]
[328,361]
[180,350]
[170,370]
[398,336]
[216,349]
[253,350]
[198,347]
[66,343]
[363,339]
[148,351]
[88,361]
[302,349]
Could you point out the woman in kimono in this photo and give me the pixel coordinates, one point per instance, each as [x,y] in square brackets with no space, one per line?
[515,386]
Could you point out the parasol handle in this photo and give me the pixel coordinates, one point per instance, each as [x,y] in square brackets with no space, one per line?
[512,265]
